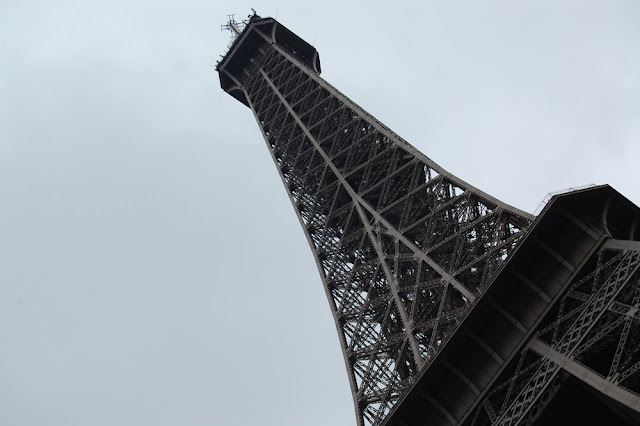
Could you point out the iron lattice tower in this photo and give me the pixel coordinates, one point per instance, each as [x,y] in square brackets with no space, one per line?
[405,248]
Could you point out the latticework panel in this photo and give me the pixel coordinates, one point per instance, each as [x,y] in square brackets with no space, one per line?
[402,246]
[595,326]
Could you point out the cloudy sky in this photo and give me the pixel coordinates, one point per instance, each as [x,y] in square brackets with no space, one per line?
[152,270]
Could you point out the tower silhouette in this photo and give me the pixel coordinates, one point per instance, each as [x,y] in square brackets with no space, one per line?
[452,307]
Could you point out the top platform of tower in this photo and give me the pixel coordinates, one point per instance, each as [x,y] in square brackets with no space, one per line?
[259,32]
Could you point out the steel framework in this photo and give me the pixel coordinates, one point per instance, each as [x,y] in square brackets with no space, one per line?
[403,247]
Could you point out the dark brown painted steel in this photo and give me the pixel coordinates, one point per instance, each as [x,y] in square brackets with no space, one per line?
[404,248]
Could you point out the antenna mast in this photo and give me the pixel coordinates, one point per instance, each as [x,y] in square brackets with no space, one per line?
[233,26]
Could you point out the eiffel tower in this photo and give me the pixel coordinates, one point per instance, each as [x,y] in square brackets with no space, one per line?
[453,308]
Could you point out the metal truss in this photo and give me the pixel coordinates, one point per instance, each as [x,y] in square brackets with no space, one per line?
[402,246]
[592,333]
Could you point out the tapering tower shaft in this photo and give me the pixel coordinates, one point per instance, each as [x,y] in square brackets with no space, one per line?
[402,246]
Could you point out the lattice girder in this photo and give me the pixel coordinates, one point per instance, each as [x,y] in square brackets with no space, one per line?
[595,326]
[402,246]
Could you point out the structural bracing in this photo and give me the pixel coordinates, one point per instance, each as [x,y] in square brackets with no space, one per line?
[404,249]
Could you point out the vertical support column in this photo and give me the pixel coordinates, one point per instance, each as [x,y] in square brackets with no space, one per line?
[417,355]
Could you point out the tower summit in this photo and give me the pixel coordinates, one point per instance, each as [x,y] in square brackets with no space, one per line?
[441,294]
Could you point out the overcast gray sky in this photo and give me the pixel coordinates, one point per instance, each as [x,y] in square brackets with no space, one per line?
[152,270]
